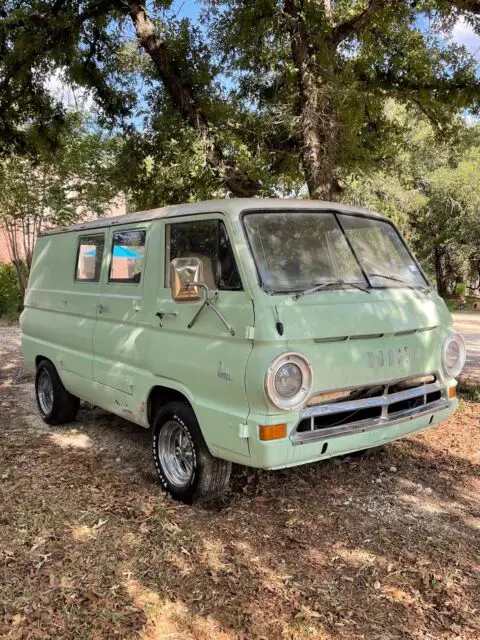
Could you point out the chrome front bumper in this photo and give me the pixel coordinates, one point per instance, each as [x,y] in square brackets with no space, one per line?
[428,399]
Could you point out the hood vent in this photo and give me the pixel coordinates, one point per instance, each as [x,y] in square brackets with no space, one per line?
[367,336]
[373,336]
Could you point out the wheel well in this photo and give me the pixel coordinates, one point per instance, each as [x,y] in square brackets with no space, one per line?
[159,397]
[38,359]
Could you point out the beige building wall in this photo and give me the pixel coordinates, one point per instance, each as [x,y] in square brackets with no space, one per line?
[4,255]
[116,208]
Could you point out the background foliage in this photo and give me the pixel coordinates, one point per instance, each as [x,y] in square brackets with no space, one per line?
[10,296]
[363,101]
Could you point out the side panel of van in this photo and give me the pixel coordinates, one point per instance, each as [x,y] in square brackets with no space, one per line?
[60,312]
[110,347]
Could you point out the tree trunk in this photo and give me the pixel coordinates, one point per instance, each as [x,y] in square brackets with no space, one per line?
[318,122]
[441,273]
[320,144]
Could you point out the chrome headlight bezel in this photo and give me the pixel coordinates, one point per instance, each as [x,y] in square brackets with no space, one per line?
[299,398]
[454,371]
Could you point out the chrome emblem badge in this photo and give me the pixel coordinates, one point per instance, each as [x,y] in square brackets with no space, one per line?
[391,357]
[224,373]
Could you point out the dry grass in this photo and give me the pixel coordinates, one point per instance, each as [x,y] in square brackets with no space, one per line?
[383,547]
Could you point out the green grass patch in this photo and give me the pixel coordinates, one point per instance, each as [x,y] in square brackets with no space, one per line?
[452,304]
[468,392]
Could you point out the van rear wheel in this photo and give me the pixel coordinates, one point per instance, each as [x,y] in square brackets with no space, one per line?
[55,404]
[186,468]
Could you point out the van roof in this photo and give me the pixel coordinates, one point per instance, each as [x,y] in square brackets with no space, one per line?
[229,206]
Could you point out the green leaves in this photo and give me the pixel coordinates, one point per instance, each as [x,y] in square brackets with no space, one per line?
[433,194]
[253,100]
[55,188]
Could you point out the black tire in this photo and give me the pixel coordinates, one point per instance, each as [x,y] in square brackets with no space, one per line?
[208,477]
[62,407]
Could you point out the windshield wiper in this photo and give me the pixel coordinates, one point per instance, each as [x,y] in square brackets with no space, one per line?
[389,276]
[324,285]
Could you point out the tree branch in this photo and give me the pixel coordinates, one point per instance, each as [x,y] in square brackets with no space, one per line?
[328,10]
[388,81]
[183,98]
[467,5]
[346,29]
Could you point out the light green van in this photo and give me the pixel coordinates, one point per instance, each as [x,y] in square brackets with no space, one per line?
[269,333]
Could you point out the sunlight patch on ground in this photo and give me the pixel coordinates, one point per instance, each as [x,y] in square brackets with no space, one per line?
[212,554]
[274,581]
[421,503]
[71,439]
[131,539]
[82,533]
[356,558]
[171,620]
[431,504]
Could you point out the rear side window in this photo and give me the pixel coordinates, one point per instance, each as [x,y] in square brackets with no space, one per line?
[128,251]
[89,258]
[207,240]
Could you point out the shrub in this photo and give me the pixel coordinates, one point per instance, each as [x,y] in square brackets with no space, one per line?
[10,297]
[460,289]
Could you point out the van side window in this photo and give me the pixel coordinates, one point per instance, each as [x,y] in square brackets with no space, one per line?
[126,262]
[207,240]
[89,258]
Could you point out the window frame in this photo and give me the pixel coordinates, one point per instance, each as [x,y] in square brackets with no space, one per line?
[336,213]
[75,266]
[220,220]
[116,281]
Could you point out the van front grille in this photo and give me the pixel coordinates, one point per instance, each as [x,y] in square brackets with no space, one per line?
[365,408]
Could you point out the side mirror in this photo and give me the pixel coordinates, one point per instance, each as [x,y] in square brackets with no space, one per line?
[182,271]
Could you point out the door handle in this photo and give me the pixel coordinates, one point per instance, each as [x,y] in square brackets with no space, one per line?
[166,314]
[162,314]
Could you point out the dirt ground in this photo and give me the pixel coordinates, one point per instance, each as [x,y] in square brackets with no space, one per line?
[383,547]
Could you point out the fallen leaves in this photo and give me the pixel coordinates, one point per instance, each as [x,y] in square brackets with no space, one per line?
[319,552]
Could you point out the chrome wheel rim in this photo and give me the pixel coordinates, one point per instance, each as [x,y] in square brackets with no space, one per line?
[45,392]
[176,454]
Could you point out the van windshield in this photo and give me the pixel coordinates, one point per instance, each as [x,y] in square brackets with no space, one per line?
[294,251]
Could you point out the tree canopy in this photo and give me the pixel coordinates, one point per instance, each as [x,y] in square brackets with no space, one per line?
[54,187]
[433,194]
[355,100]
[261,97]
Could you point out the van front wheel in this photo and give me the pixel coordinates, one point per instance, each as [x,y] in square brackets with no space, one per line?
[185,467]
[55,404]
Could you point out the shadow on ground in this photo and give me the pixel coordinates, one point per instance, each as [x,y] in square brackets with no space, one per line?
[378,547]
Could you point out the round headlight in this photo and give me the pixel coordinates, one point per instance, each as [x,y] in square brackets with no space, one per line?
[288,381]
[453,355]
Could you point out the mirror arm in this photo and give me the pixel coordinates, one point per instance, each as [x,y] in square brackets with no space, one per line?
[208,302]
[228,326]
[194,319]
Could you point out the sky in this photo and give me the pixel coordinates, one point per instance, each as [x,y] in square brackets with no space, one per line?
[463,34]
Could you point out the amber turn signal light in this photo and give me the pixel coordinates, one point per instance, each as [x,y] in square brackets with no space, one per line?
[452,392]
[272,431]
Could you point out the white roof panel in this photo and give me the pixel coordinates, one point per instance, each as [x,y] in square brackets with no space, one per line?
[228,206]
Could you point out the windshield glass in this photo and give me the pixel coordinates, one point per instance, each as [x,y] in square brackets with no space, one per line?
[294,251]
[381,252]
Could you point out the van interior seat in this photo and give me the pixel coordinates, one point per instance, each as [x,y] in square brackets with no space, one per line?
[208,272]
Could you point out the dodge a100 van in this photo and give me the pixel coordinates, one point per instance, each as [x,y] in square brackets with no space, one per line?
[269,333]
